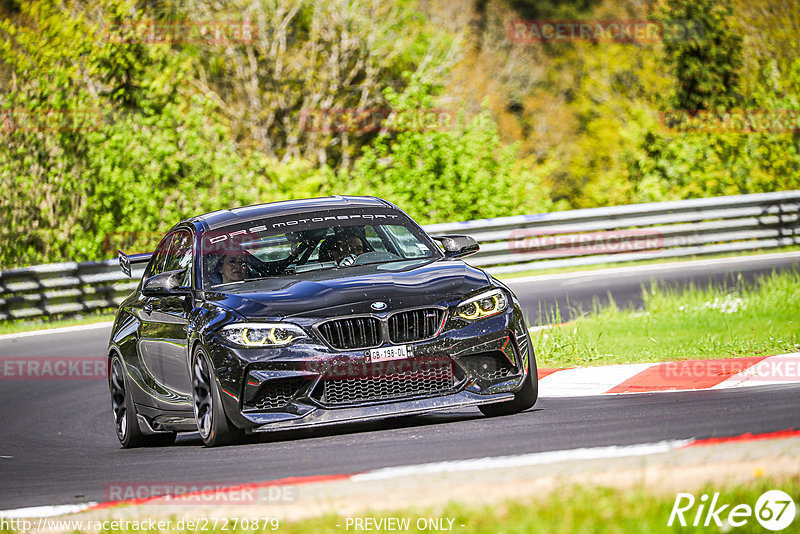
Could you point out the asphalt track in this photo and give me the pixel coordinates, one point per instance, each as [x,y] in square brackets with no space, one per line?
[57,443]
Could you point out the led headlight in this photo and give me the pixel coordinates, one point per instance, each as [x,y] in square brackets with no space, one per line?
[262,334]
[483,305]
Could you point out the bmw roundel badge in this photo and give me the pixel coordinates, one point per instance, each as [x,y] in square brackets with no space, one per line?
[378,306]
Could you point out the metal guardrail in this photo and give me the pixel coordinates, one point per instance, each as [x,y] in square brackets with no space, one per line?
[64,288]
[508,244]
[633,232]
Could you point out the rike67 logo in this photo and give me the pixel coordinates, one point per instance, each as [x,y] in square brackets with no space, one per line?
[774,510]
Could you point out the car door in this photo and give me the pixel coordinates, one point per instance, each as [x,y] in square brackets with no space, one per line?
[164,345]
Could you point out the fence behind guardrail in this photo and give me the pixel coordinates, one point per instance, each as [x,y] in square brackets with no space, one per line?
[508,244]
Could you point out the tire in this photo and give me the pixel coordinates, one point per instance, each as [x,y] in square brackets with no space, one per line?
[126,423]
[523,399]
[214,426]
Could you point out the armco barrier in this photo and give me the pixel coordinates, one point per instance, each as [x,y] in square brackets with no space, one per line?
[508,244]
[633,232]
[64,288]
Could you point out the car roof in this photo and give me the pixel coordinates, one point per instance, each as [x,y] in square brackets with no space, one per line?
[220,218]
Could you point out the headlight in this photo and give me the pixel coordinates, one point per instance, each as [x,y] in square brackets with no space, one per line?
[262,334]
[483,305]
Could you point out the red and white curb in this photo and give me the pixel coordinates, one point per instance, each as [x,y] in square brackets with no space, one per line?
[389,473]
[687,375]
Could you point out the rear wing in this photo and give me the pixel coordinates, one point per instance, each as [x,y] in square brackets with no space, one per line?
[126,261]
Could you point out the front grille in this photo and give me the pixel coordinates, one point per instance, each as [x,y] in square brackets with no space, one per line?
[352,333]
[276,393]
[425,380]
[415,325]
[490,365]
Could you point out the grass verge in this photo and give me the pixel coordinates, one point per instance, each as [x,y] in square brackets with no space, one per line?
[717,322]
[27,325]
[570,509]
[577,509]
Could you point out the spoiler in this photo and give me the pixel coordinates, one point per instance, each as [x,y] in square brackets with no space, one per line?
[125,261]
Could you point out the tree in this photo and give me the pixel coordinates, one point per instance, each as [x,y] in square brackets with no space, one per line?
[704,49]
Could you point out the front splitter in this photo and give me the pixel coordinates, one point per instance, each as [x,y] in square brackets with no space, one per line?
[322,417]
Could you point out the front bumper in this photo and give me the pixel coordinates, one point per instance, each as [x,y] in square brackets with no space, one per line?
[488,361]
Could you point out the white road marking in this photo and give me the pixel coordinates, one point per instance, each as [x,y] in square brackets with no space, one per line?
[588,381]
[521,460]
[45,511]
[61,330]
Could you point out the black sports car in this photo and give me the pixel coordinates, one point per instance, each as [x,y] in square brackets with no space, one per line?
[310,312]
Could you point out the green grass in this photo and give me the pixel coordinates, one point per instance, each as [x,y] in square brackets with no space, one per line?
[719,322]
[557,270]
[27,325]
[574,509]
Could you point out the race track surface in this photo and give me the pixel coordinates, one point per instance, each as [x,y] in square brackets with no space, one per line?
[57,443]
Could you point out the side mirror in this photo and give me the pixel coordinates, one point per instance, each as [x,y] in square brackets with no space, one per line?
[458,246]
[168,283]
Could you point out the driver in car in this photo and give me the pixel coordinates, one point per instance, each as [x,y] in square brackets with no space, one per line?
[232,267]
[348,248]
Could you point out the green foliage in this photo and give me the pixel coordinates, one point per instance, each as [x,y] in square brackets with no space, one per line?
[107,139]
[705,163]
[456,170]
[314,56]
[118,160]
[45,111]
[615,89]
[707,57]
[723,158]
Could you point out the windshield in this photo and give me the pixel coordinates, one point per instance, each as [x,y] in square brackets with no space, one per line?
[265,249]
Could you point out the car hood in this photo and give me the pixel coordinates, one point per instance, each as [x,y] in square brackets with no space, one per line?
[332,293]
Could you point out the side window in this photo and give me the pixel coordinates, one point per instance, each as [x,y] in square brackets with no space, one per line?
[180,254]
[374,239]
[409,245]
[156,264]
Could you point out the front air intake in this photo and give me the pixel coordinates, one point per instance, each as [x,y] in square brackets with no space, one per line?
[415,325]
[352,333]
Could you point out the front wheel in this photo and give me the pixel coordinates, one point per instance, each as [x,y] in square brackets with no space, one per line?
[523,399]
[214,426]
[125,420]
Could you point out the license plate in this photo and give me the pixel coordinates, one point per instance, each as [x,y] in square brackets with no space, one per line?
[397,352]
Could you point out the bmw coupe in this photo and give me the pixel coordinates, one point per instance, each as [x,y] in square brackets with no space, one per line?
[310,312]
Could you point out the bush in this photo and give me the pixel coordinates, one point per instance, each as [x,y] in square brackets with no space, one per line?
[457,172]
